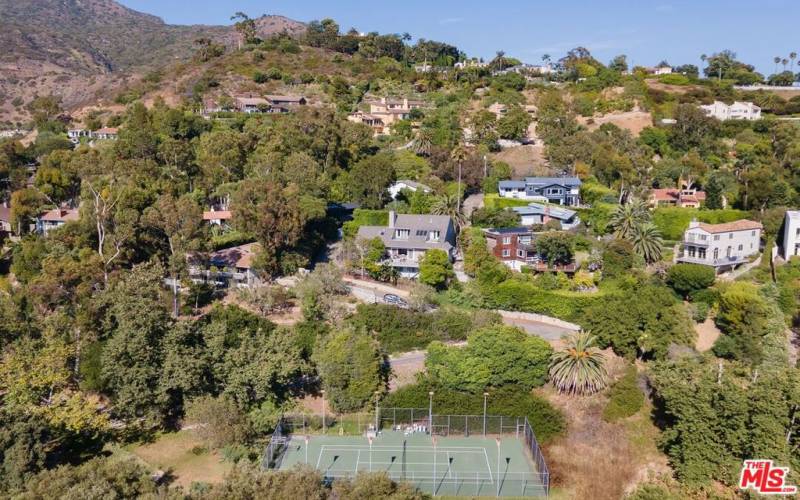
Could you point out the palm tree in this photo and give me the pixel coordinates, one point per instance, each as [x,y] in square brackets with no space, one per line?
[777,61]
[784,62]
[627,217]
[449,205]
[423,143]
[580,367]
[647,242]
[792,56]
[458,155]
[703,59]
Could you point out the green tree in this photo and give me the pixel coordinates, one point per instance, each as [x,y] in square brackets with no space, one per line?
[647,242]
[688,278]
[580,367]
[219,422]
[514,124]
[349,363]
[556,247]
[627,217]
[435,269]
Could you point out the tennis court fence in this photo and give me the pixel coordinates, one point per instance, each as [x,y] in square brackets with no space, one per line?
[402,418]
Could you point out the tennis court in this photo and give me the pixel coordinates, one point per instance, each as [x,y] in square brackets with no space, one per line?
[468,466]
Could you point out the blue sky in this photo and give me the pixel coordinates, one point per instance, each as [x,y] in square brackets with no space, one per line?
[647,31]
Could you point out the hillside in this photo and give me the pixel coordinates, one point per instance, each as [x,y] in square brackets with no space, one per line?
[83,49]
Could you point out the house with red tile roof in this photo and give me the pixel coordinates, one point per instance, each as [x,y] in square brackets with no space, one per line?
[684,198]
[55,218]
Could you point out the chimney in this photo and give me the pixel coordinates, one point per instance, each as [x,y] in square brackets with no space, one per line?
[392,218]
[693,224]
[405,103]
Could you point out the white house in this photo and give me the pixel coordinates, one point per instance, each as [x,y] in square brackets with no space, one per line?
[791,234]
[55,218]
[217,217]
[412,186]
[720,245]
[557,190]
[736,111]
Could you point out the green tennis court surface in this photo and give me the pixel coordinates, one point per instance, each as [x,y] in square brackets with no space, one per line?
[465,466]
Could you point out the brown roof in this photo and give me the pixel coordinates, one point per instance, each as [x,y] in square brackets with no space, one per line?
[285,98]
[240,257]
[672,194]
[107,130]
[5,213]
[217,215]
[61,215]
[727,227]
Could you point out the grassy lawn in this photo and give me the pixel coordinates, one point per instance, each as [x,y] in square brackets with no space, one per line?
[182,456]
[493,200]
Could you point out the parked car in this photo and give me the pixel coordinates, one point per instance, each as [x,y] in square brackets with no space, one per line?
[396,300]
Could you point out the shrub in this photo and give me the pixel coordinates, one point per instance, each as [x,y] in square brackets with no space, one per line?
[625,397]
[688,278]
[674,79]
[364,217]
[699,312]
[510,400]
[618,258]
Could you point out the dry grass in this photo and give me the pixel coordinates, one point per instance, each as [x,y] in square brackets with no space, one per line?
[524,160]
[634,121]
[173,453]
[597,459]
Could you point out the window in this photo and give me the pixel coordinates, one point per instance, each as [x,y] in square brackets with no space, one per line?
[703,237]
[422,232]
[716,237]
[741,247]
[433,235]
[730,236]
[753,233]
[506,240]
[402,234]
[716,253]
[506,252]
[701,253]
[521,254]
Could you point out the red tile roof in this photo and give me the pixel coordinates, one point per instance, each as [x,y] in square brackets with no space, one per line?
[672,194]
[61,215]
[217,215]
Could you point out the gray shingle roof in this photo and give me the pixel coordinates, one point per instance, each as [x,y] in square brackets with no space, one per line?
[419,227]
[539,209]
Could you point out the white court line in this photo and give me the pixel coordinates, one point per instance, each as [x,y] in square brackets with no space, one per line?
[375,446]
[358,459]
[322,449]
[488,467]
[449,464]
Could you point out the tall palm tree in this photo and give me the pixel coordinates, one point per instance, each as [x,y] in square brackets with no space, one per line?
[792,56]
[458,155]
[449,205]
[784,62]
[580,367]
[647,242]
[777,61]
[627,217]
[703,59]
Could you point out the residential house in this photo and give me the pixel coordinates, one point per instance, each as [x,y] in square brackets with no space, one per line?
[105,134]
[6,226]
[385,111]
[736,111]
[538,213]
[230,267]
[55,218]
[557,190]
[251,105]
[684,198]
[413,186]
[471,63]
[661,69]
[791,234]
[286,101]
[75,134]
[723,246]
[408,237]
[372,121]
[516,248]
[217,217]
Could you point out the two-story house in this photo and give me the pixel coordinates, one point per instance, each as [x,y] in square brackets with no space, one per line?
[736,111]
[384,112]
[538,213]
[791,234]
[722,246]
[557,190]
[408,237]
[229,267]
[516,248]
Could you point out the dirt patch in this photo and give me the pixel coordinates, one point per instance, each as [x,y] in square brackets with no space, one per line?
[597,459]
[524,160]
[672,89]
[405,368]
[181,455]
[633,121]
[707,334]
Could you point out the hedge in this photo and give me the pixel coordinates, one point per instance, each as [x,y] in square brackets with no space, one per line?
[510,400]
[517,295]
[495,201]
[673,221]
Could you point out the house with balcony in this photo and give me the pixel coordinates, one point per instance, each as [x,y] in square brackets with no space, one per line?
[229,267]
[384,112]
[516,248]
[790,246]
[540,213]
[374,122]
[722,246]
[555,190]
[408,237]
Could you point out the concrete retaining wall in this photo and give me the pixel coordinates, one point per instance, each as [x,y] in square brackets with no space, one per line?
[540,318]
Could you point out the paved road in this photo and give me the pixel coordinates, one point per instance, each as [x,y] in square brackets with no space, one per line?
[547,332]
